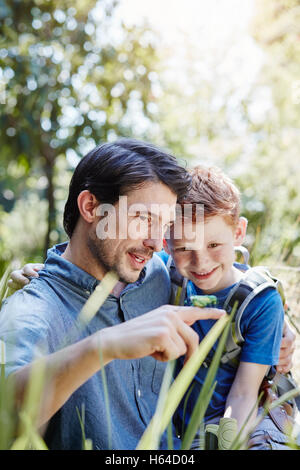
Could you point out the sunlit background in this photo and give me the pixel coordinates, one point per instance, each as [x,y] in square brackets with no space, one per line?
[214,82]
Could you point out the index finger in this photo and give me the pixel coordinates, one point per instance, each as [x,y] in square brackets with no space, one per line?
[191,314]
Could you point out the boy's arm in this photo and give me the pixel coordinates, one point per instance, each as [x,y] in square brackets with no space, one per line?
[20,277]
[243,395]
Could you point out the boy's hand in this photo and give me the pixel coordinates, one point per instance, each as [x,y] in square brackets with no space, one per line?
[287,348]
[20,277]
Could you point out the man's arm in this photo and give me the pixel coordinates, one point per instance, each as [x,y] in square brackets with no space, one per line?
[163,333]
[243,394]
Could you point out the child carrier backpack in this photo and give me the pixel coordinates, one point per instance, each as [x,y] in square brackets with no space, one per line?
[254,281]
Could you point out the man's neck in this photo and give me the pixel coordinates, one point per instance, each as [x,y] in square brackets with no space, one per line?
[79,254]
[81,257]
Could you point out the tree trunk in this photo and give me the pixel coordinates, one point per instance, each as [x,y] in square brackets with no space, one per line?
[51,216]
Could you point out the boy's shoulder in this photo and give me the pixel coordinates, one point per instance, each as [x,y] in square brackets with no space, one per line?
[256,287]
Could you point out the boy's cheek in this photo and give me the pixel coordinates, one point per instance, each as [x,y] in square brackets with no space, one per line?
[181,263]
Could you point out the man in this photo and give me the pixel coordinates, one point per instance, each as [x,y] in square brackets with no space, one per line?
[134,323]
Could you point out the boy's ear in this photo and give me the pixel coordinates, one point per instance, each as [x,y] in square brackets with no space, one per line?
[240,231]
[166,248]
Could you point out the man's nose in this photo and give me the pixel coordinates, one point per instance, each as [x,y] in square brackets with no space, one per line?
[156,244]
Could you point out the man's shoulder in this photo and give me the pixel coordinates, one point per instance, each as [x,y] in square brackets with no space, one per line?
[156,285]
[163,256]
[158,262]
[35,299]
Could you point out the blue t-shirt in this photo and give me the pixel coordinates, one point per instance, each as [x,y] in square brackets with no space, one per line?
[261,326]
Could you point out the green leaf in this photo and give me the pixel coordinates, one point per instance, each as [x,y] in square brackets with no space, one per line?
[180,385]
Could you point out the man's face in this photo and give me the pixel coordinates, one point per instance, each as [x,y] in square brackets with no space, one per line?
[136,227]
[207,260]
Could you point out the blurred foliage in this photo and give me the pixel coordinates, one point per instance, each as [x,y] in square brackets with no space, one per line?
[275,173]
[72,75]
[247,124]
[70,78]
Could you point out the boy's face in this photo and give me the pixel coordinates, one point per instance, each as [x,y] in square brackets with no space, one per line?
[207,260]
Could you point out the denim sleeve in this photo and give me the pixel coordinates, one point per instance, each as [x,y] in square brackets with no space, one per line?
[262,326]
[24,328]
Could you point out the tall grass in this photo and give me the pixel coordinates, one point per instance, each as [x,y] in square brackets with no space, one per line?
[18,429]
[178,388]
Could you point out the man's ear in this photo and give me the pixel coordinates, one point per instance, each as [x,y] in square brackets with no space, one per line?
[166,247]
[240,231]
[87,205]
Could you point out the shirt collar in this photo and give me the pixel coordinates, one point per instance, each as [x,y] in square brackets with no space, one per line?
[56,265]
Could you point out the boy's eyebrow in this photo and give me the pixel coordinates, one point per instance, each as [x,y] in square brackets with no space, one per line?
[188,246]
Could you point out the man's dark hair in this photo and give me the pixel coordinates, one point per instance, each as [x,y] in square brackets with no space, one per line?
[113,169]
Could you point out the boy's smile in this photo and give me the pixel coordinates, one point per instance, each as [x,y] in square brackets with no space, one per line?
[202,276]
[208,259]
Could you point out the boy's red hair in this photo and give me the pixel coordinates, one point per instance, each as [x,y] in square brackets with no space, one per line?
[215,191]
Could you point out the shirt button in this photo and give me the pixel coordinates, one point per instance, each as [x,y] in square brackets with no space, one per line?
[139,393]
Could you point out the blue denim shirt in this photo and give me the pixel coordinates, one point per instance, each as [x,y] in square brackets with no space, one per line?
[37,319]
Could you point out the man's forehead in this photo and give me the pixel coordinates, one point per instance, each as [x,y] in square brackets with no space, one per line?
[152,191]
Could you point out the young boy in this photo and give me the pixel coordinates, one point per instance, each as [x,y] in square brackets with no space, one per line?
[208,262]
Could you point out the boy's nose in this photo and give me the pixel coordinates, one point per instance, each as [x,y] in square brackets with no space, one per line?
[200,257]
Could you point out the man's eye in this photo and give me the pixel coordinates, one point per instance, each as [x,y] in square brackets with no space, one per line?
[168,225]
[183,248]
[143,217]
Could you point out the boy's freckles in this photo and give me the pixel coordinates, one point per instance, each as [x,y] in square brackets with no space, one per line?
[208,261]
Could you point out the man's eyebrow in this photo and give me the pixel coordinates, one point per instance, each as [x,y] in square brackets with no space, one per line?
[152,214]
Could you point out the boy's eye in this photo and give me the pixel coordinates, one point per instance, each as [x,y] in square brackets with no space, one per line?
[183,248]
[213,245]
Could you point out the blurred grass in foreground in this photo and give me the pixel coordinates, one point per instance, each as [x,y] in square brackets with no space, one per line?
[19,431]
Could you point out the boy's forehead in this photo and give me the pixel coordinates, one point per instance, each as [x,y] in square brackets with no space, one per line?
[193,234]
[188,233]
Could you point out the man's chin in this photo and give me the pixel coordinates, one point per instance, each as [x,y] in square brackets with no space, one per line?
[129,278]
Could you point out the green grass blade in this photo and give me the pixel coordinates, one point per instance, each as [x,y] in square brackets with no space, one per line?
[182,381]
[187,396]
[30,439]
[207,388]
[106,400]
[155,430]
[239,442]
[3,284]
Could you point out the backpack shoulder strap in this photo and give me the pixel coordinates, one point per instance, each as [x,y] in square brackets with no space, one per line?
[178,283]
[254,281]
